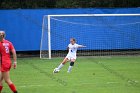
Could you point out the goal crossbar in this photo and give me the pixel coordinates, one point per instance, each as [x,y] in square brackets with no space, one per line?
[94,15]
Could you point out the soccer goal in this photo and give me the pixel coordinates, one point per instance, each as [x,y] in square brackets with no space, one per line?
[103,34]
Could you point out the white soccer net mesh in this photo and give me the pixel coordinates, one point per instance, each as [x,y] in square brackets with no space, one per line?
[103,35]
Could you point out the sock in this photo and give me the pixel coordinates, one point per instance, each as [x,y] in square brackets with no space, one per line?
[13,88]
[70,68]
[1,88]
[60,66]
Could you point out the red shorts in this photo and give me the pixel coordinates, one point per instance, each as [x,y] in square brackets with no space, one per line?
[5,67]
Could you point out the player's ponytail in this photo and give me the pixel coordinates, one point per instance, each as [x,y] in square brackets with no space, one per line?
[73,39]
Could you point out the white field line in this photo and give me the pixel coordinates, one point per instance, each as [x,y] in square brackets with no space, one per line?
[112,82]
[30,86]
[134,81]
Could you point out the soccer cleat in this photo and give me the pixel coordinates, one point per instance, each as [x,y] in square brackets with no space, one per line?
[16,92]
[56,70]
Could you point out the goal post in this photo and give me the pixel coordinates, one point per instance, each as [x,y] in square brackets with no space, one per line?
[45,46]
[54,24]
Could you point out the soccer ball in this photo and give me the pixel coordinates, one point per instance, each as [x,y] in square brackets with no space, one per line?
[56,70]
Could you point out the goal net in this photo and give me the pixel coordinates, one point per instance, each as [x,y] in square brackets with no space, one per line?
[103,34]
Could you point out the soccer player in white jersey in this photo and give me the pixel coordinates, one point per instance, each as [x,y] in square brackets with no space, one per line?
[71,56]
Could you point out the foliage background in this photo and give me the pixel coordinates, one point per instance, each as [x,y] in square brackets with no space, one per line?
[26,4]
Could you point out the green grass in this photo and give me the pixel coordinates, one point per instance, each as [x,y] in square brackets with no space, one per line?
[89,75]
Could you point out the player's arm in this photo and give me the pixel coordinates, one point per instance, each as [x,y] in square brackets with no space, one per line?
[81,46]
[14,57]
[67,48]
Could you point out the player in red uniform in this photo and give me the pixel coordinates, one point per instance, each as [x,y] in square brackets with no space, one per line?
[5,62]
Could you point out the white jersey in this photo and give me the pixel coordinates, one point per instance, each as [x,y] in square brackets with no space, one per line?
[72,51]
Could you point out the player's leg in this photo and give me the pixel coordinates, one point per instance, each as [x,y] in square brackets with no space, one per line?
[62,63]
[6,77]
[1,81]
[56,70]
[71,65]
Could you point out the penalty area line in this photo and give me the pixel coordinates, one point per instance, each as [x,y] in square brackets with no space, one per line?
[31,86]
[112,82]
[28,86]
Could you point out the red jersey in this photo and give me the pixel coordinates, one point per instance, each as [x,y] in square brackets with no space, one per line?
[5,49]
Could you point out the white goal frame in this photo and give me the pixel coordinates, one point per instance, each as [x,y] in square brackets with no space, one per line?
[70,15]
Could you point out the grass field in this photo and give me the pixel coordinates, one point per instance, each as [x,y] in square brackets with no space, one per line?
[90,75]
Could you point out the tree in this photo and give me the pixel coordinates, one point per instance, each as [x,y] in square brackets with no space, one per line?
[24,4]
